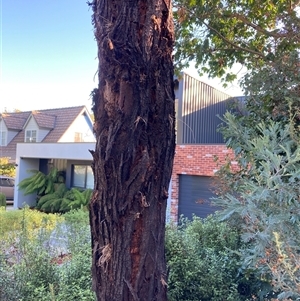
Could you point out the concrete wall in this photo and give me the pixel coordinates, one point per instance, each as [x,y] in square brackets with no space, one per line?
[23,168]
[70,151]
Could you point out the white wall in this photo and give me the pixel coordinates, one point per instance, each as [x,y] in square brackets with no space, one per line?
[23,167]
[42,133]
[80,125]
[11,134]
[70,151]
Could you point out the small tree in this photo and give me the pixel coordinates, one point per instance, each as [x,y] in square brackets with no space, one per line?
[264,201]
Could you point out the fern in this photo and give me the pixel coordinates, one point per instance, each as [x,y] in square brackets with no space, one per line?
[87,195]
[64,206]
[45,199]
[47,206]
[81,198]
[49,188]
[61,189]
[55,205]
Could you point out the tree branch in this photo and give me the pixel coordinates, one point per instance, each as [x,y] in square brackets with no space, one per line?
[233,44]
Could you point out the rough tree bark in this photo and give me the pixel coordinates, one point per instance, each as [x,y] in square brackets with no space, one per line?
[134,127]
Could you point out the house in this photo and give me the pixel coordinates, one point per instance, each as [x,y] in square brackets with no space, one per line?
[44,138]
[71,124]
[198,144]
[198,107]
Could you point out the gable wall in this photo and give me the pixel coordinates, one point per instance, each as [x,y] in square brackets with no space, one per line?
[2,125]
[11,134]
[80,125]
[32,125]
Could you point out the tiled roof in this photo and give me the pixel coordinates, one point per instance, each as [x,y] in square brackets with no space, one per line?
[44,120]
[15,121]
[57,120]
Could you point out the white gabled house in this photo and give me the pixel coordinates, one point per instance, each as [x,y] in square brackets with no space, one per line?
[38,140]
[72,124]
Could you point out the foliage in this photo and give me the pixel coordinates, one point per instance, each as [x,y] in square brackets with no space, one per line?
[28,271]
[203,261]
[273,91]
[77,217]
[195,249]
[216,34]
[7,168]
[2,200]
[63,200]
[51,202]
[264,199]
[53,195]
[41,183]
[12,221]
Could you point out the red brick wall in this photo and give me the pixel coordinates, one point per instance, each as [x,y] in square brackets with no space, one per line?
[195,159]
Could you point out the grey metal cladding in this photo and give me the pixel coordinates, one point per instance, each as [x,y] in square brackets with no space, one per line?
[199,106]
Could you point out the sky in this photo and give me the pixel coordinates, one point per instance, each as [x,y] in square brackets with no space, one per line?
[48,55]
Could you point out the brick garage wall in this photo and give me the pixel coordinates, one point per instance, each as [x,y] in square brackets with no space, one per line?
[196,159]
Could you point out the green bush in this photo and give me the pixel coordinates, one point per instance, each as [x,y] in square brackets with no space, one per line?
[264,201]
[63,199]
[203,262]
[41,183]
[2,200]
[29,271]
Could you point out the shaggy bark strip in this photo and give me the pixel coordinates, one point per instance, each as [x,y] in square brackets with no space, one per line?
[134,126]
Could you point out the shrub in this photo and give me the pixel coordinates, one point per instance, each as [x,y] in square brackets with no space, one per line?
[41,183]
[63,200]
[203,261]
[30,271]
[266,207]
[2,200]
[14,221]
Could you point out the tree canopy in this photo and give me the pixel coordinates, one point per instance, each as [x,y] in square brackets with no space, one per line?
[216,34]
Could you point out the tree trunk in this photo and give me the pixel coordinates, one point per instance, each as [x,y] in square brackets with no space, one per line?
[134,127]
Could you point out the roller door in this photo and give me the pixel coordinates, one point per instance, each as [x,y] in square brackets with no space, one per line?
[194,196]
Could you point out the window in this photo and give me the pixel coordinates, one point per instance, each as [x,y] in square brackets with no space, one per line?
[78,137]
[30,136]
[82,176]
[3,138]
[7,182]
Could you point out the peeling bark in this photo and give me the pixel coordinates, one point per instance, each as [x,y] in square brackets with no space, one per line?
[134,127]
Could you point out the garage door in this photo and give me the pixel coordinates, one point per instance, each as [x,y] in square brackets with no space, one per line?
[194,196]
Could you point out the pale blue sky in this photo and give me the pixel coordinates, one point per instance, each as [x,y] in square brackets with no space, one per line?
[48,55]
